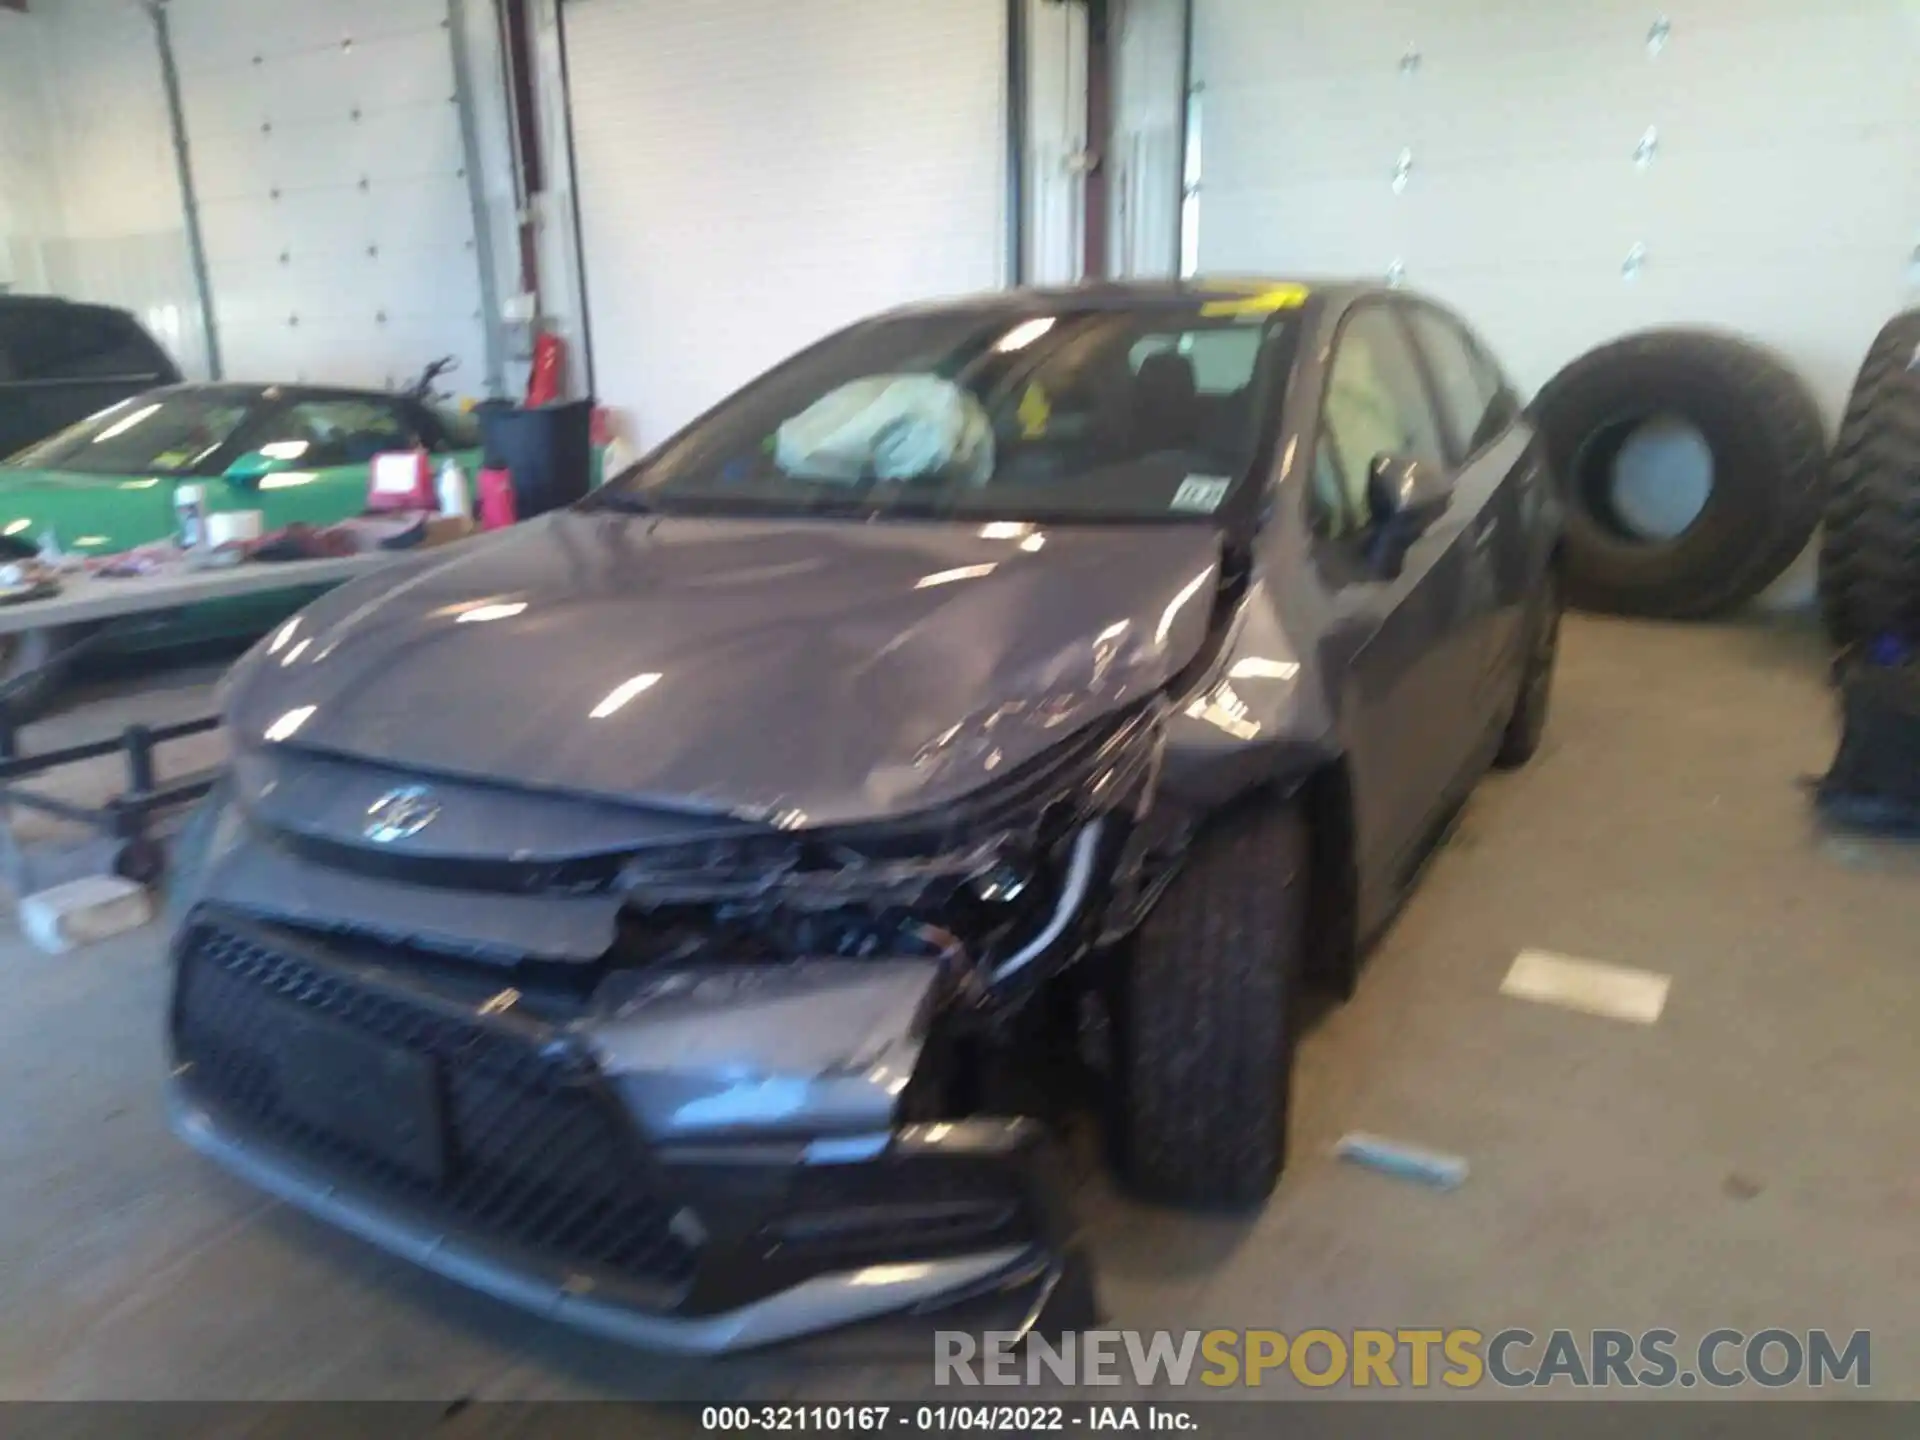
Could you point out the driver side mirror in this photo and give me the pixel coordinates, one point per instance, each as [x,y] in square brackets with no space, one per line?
[1408,494]
[1406,497]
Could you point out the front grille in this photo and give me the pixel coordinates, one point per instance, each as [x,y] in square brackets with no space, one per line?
[538,1155]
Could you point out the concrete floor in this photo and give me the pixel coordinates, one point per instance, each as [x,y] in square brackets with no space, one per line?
[1747,1161]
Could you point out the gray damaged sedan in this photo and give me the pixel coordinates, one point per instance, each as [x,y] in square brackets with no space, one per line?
[690,914]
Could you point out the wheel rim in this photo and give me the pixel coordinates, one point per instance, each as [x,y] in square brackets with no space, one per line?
[1644,478]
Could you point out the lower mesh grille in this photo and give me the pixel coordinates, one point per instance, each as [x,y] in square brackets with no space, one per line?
[536,1154]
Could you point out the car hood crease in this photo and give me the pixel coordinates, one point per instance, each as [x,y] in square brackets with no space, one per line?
[802,672]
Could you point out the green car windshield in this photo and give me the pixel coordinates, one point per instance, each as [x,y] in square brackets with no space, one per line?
[152,434]
[1148,413]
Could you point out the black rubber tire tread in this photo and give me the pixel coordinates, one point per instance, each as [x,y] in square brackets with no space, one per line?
[1870,547]
[1764,429]
[1212,997]
[32,659]
[1527,725]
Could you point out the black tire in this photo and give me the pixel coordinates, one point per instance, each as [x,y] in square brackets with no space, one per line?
[1208,1017]
[30,670]
[1870,549]
[185,858]
[1528,723]
[1763,429]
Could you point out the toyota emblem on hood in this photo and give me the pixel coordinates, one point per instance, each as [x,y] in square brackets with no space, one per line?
[400,814]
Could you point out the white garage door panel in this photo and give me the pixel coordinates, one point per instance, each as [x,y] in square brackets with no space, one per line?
[1782,200]
[755,173]
[335,212]
[228,35]
[1801,200]
[1322,228]
[1358,128]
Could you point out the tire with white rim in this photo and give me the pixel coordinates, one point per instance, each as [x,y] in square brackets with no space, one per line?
[1753,422]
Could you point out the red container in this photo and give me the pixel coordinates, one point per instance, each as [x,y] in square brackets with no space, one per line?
[497,508]
[548,374]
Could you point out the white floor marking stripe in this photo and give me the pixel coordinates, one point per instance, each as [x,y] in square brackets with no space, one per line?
[1616,991]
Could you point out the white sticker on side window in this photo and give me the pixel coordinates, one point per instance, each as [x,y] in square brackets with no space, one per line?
[1201,492]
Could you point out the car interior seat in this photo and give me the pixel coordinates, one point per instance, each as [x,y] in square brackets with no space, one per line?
[1166,404]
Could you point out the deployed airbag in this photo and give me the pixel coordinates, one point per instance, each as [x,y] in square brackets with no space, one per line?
[888,427]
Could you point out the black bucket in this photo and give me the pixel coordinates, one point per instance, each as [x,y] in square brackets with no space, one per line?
[547,450]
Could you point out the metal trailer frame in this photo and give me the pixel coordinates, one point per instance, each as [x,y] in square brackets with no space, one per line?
[119,607]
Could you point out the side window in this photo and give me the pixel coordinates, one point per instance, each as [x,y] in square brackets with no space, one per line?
[342,432]
[1376,404]
[1223,359]
[78,344]
[13,344]
[1469,387]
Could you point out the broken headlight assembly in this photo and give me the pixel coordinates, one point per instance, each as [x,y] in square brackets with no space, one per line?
[1001,879]
[767,902]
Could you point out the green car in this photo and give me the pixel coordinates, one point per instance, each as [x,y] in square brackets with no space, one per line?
[292,452]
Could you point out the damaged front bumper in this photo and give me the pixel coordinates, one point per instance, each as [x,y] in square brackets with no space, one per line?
[719,1095]
[614,1171]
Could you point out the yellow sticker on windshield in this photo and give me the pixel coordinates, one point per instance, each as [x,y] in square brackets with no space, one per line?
[1263,301]
[1034,412]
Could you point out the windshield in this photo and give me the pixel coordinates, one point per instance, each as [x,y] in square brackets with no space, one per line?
[1152,413]
[155,433]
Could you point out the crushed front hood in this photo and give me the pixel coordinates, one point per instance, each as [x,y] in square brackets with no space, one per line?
[803,672]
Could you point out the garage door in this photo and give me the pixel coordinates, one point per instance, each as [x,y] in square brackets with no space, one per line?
[754,173]
[333,199]
[1567,172]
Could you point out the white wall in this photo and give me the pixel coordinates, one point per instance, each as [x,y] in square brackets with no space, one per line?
[1783,199]
[92,189]
[29,210]
[755,173]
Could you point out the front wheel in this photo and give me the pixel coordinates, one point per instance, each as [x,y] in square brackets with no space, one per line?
[32,658]
[1209,1014]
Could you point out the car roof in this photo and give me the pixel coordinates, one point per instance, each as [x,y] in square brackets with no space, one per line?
[1183,294]
[21,303]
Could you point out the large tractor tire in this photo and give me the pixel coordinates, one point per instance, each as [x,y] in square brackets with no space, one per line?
[1757,422]
[1870,550]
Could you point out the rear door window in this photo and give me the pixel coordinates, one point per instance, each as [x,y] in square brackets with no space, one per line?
[1468,386]
[56,343]
[1376,404]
